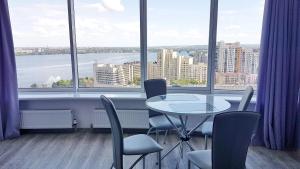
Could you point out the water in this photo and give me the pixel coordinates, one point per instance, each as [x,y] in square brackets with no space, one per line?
[45,69]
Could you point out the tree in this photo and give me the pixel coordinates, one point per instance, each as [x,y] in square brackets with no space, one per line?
[34,85]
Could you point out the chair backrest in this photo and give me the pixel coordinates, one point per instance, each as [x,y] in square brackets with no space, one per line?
[117,133]
[232,133]
[155,87]
[246,99]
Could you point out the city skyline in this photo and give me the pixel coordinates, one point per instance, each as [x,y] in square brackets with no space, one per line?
[96,49]
[235,65]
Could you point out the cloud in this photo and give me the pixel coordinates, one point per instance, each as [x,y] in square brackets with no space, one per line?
[40,24]
[98,6]
[176,37]
[103,32]
[50,27]
[128,26]
[228,12]
[231,27]
[113,5]
[261,8]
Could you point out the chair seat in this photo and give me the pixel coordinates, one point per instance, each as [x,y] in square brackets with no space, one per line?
[140,144]
[207,128]
[201,158]
[161,122]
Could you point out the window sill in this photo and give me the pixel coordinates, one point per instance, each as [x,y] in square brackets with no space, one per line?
[114,95]
[235,97]
[80,95]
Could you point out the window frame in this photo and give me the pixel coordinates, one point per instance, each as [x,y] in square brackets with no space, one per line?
[213,21]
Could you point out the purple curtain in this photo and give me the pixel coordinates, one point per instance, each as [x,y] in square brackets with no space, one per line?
[298,120]
[279,75]
[9,104]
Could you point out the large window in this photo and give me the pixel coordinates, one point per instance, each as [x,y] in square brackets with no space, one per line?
[178,41]
[41,39]
[108,43]
[238,38]
[110,48]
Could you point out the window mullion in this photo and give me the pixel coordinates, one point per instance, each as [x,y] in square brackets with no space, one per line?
[73,46]
[143,40]
[212,43]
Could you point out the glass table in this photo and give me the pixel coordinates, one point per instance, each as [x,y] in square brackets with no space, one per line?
[183,105]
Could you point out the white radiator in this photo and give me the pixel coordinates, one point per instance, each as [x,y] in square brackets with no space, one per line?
[46,119]
[133,119]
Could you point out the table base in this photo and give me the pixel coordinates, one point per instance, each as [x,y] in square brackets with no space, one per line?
[183,134]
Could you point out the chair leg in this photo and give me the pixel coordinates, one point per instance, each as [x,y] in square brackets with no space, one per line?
[181,150]
[165,137]
[156,135]
[150,129]
[159,160]
[189,164]
[136,161]
[144,162]
[205,139]
[112,166]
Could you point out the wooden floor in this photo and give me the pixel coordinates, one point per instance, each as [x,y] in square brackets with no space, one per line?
[88,150]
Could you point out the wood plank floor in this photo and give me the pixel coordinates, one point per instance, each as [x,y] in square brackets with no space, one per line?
[87,150]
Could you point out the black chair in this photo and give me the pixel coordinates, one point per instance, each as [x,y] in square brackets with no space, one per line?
[206,129]
[140,144]
[232,133]
[158,121]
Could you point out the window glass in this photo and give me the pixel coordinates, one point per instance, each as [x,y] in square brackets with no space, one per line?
[178,41]
[108,43]
[41,39]
[238,38]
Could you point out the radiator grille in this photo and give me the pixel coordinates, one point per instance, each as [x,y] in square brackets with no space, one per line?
[128,118]
[46,119]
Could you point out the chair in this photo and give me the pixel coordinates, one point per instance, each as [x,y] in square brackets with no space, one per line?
[232,133]
[207,126]
[140,144]
[158,121]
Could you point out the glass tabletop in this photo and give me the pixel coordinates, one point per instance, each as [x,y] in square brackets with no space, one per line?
[184,104]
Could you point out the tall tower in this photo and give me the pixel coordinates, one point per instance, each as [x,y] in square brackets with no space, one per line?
[238,57]
[167,61]
[227,57]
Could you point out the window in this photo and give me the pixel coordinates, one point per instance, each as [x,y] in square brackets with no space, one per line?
[108,43]
[178,41]
[41,39]
[109,52]
[238,37]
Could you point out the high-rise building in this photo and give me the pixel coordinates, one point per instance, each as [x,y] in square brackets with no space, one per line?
[172,66]
[169,66]
[154,71]
[132,71]
[197,72]
[200,56]
[226,56]
[107,75]
[236,66]
[238,59]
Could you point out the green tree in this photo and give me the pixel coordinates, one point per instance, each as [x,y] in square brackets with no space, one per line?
[34,85]
[62,84]
[184,82]
[136,80]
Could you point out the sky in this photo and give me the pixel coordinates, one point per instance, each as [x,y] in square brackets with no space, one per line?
[115,23]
